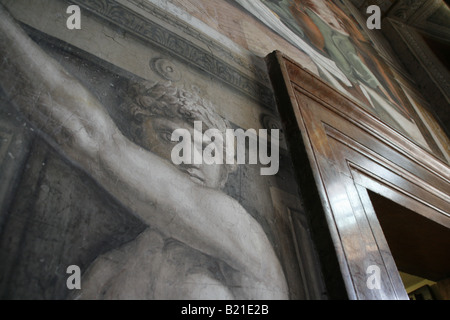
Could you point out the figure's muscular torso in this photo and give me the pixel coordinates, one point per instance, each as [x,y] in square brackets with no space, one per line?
[152,267]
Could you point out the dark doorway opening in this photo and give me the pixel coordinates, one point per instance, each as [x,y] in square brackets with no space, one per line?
[420,248]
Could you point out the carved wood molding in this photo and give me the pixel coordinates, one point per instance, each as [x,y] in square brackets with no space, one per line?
[348,153]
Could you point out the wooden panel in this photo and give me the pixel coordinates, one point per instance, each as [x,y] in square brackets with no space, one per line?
[345,152]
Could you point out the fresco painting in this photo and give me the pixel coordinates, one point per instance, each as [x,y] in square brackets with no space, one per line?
[343,55]
[88,179]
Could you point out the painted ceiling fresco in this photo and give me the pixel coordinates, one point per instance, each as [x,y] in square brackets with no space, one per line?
[343,55]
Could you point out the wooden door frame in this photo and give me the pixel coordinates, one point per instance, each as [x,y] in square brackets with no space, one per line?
[343,150]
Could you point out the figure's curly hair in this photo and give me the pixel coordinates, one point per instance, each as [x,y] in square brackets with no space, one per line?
[155,99]
[145,99]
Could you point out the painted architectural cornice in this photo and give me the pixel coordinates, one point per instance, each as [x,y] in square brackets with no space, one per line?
[206,54]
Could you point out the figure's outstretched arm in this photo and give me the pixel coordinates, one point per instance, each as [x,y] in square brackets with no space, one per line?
[72,119]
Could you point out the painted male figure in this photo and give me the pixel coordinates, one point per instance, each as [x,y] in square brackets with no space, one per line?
[200,243]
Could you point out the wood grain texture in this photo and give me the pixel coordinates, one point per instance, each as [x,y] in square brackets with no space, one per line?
[349,153]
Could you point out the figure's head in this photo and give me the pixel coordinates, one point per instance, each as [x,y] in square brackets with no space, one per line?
[157,109]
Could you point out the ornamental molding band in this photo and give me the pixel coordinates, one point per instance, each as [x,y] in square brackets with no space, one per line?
[412,11]
[218,48]
[425,56]
[405,9]
[149,31]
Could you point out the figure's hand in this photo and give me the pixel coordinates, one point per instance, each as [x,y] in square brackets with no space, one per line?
[53,100]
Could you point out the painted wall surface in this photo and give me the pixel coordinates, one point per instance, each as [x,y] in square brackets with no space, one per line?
[343,56]
[330,39]
[87,177]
